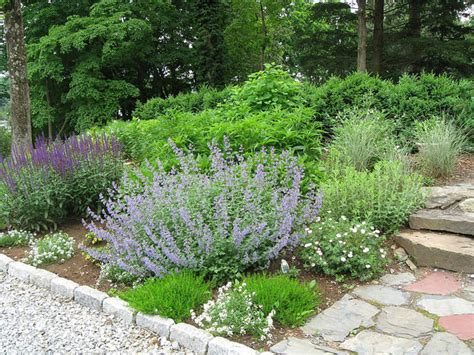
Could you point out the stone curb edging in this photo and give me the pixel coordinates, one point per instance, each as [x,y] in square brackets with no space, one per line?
[188,336]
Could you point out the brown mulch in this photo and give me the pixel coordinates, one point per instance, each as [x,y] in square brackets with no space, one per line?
[463,174]
[77,268]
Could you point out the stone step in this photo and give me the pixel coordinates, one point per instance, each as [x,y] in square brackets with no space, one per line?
[440,250]
[443,220]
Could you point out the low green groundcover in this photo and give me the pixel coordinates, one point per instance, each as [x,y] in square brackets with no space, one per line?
[173,296]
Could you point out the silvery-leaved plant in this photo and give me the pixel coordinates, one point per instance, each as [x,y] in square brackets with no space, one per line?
[53,248]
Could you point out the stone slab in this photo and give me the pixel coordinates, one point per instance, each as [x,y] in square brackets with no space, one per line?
[4,261]
[461,325]
[21,271]
[436,283]
[403,322]
[222,346]
[439,250]
[156,324]
[42,278]
[443,197]
[467,205]
[90,297]
[190,337]
[398,279]
[369,342]
[445,344]
[63,287]
[382,294]
[441,220]
[336,322]
[119,309]
[299,346]
[445,305]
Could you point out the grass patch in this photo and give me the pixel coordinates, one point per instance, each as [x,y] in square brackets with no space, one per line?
[173,296]
[293,301]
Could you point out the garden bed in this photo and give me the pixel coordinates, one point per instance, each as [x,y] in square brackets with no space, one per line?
[84,272]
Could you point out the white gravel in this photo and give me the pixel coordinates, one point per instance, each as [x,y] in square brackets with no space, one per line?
[33,321]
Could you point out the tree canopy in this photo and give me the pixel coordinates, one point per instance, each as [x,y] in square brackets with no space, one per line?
[91,61]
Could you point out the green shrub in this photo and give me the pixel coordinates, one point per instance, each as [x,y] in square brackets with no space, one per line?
[14,238]
[235,312]
[339,247]
[174,296]
[38,203]
[56,247]
[292,301]
[203,99]
[294,131]
[385,197]
[268,89]
[5,142]
[414,97]
[363,138]
[440,143]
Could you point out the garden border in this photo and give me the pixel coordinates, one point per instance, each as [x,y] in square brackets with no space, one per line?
[188,336]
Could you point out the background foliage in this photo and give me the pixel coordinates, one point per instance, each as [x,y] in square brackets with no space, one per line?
[96,60]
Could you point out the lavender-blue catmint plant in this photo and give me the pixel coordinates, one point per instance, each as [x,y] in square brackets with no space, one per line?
[237,215]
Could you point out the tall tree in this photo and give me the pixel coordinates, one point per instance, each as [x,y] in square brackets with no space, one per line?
[19,89]
[211,19]
[378,35]
[325,41]
[362,33]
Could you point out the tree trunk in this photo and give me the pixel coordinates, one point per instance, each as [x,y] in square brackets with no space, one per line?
[19,89]
[378,35]
[265,37]
[362,33]
[414,32]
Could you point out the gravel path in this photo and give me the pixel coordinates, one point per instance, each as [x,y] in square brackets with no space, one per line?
[32,321]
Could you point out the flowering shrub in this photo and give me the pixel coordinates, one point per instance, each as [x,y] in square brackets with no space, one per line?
[341,247]
[234,312]
[238,214]
[55,247]
[15,238]
[47,183]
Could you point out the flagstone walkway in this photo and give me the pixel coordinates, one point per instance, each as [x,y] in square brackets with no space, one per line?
[428,313]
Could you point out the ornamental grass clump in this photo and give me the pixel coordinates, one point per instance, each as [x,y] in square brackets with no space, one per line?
[235,216]
[173,296]
[440,144]
[234,312]
[46,183]
[339,247]
[292,301]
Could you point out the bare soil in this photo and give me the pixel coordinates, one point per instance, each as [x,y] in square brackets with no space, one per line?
[77,269]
